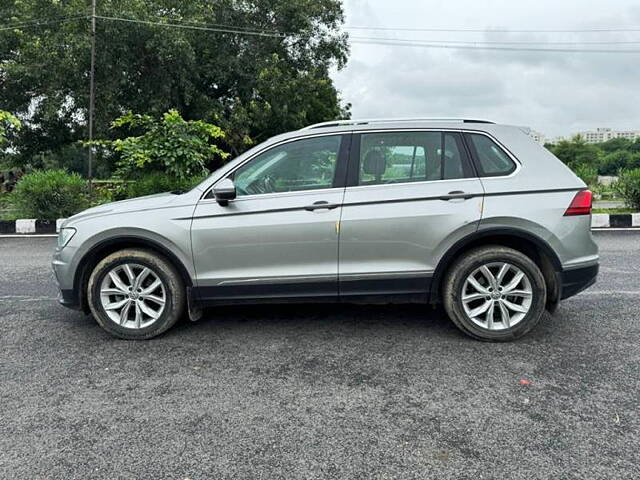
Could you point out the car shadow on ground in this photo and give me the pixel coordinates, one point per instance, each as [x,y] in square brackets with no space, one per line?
[432,321]
[400,320]
[403,319]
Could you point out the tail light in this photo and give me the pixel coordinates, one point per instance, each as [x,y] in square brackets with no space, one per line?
[580,205]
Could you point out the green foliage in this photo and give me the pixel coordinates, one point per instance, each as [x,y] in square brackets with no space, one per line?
[8,123]
[155,182]
[283,100]
[576,152]
[613,210]
[615,144]
[587,174]
[180,149]
[49,195]
[628,186]
[254,86]
[608,158]
[612,163]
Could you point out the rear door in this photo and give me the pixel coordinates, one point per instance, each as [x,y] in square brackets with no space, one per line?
[410,195]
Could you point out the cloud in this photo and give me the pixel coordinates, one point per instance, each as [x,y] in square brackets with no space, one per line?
[556,93]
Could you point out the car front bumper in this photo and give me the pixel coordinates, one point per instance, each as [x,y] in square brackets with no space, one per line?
[64,275]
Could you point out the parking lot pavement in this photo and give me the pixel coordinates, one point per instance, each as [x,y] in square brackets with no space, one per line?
[319,391]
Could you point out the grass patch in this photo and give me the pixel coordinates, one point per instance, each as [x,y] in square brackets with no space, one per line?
[614,210]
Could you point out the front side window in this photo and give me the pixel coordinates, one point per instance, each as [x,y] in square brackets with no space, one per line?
[307,164]
[491,159]
[401,157]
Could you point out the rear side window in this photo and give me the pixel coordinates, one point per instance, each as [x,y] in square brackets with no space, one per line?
[400,157]
[491,160]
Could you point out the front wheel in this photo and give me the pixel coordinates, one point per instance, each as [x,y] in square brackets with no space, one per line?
[495,293]
[135,294]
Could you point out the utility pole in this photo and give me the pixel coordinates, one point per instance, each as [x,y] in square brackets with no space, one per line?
[92,92]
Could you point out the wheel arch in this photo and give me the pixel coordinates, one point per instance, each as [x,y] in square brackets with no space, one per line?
[110,245]
[525,242]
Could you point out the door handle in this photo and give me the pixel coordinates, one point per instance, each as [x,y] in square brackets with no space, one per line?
[319,205]
[457,194]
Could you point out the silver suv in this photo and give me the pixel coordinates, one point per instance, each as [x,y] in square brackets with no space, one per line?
[467,213]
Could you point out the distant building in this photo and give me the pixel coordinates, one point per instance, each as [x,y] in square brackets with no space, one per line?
[555,140]
[600,135]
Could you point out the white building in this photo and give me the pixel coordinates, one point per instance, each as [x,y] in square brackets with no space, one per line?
[555,140]
[603,134]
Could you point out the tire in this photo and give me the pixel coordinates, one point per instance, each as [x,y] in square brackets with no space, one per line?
[491,324]
[153,307]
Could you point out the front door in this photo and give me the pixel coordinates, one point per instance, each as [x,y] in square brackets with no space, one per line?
[409,196]
[279,237]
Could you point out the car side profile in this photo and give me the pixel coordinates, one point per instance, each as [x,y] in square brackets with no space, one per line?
[467,213]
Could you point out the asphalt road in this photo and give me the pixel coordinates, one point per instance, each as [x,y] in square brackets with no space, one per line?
[319,391]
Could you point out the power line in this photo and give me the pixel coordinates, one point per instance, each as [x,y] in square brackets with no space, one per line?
[239,29]
[442,44]
[194,27]
[222,25]
[38,23]
[491,30]
[450,46]
[489,42]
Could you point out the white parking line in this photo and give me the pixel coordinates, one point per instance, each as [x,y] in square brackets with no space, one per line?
[616,229]
[26,298]
[611,292]
[24,235]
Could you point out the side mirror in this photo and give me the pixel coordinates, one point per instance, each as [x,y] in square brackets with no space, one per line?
[224,191]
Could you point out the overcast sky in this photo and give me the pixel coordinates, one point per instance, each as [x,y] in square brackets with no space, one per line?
[555,93]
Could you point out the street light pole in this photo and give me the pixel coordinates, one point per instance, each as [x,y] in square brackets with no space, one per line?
[92,92]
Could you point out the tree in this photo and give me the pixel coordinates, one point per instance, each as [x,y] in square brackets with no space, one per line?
[178,148]
[8,125]
[271,78]
[614,162]
[576,152]
[615,144]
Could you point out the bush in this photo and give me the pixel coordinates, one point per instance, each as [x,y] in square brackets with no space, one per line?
[628,186]
[49,194]
[171,145]
[587,174]
[156,182]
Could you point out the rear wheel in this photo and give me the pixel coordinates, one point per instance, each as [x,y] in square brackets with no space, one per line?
[135,294]
[495,293]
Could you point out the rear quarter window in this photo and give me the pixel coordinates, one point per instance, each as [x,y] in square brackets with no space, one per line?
[490,159]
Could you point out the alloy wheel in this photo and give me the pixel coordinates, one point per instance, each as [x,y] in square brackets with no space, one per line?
[497,296]
[133,295]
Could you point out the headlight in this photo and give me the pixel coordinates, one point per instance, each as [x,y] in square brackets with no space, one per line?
[65,235]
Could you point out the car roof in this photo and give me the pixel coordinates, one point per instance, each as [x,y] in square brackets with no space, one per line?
[340,126]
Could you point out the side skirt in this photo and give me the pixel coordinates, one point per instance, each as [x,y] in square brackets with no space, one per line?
[363,291]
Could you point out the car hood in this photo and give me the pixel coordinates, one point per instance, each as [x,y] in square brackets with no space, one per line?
[122,206]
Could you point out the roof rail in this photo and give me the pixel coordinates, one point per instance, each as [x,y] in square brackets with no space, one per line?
[338,123]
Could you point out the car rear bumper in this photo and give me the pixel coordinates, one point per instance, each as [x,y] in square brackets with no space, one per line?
[577,279]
